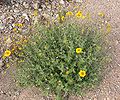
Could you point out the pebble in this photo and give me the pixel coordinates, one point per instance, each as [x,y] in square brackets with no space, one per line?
[1,63]
[2,92]
[79,1]
[26,16]
[35,5]
[46,16]
[25,4]
[116,42]
[11,17]
[16,10]
[62,2]
[1,26]
[8,41]
[17,5]
[2,17]
[10,27]
[17,93]
[35,20]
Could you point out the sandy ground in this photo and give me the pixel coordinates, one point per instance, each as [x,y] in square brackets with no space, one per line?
[109,88]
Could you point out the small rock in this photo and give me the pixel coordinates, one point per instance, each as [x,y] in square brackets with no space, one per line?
[13,25]
[62,2]
[10,17]
[3,17]
[17,93]
[119,65]
[8,41]
[35,20]
[17,5]
[43,6]
[35,5]
[1,63]
[1,25]
[79,1]
[25,4]
[16,10]
[26,16]
[10,27]
[46,16]
[116,42]
[2,92]
[11,11]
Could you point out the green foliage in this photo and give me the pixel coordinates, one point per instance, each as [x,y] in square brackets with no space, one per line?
[51,61]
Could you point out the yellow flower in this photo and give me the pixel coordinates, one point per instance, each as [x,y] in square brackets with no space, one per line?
[79,14]
[20,25]
[19,48]
[7,53]
[101,14]
[14,29]
[78,50]
[88,15]
[35,13]
[25,41]
[69,13]
[82,73]
[7,65]
[83,17]
[82,31]
[108,27]
[67,72]
[62,18]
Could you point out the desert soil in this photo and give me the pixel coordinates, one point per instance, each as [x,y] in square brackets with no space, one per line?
[109,89]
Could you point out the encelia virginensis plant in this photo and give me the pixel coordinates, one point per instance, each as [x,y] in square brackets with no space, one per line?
[65,58]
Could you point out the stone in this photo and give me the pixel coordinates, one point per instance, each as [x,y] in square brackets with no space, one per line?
[8,41]
[62,2]
[10,27]
[35,5]
[26,16]
[46,16]
[79,1]
[1,63]
[1,25]
[25,4]
[16,10]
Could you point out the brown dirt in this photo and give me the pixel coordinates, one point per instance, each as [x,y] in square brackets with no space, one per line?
[109,89]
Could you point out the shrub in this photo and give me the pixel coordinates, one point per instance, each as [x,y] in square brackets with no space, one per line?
[67,58]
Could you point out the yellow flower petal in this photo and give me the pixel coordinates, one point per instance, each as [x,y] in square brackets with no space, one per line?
[108,27]
[78,50]
[7,53]
[83,17]
[79,14]
[20,25]
[14,29]
[19,48]
[7,65]
[69,13]
[67,72]
[35,13]
[25,41]
[82,73]
[62,18]
[101,14]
